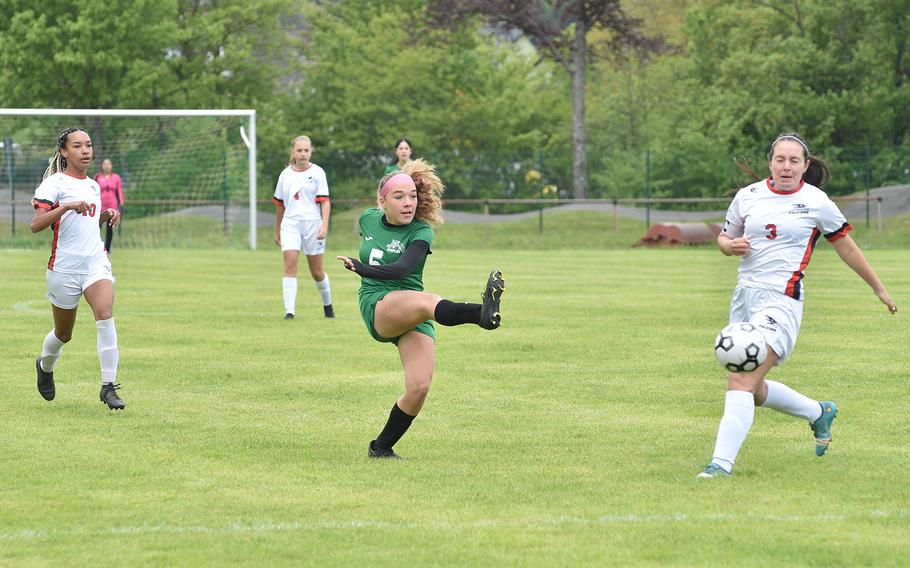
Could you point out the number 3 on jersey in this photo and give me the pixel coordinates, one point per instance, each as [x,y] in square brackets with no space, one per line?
[375,257]
[772,231]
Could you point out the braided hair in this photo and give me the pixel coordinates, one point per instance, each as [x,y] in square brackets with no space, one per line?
[57,163]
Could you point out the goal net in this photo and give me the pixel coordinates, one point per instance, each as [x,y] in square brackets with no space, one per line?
[188,177]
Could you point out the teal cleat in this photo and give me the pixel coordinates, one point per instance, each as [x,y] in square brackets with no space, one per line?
[822,427]
[713,471]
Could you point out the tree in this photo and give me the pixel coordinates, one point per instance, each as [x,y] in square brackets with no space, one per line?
[480,110]
[559,28]
[140,53]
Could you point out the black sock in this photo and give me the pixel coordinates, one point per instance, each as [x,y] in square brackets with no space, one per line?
[398,424]
[450,313]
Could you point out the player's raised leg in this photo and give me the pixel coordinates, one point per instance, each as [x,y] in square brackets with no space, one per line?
[401,310]
[819,414]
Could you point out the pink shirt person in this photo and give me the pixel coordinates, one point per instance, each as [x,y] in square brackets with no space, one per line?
[111,187]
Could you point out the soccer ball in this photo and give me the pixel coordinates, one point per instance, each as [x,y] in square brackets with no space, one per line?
[740,347]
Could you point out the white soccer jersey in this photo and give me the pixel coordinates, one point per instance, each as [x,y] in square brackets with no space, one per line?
[77,246]
[782,228]
[301,192]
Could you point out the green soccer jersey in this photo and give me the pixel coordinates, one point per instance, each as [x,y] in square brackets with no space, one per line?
[383,244]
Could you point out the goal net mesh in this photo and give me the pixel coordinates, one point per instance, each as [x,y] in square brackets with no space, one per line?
[185,178]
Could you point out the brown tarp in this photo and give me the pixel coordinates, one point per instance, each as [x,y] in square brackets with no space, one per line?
[673,234]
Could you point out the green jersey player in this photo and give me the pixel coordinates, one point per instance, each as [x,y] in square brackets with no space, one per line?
[396,239]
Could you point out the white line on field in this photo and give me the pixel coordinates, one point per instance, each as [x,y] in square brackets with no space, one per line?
[529,523]
[31,306]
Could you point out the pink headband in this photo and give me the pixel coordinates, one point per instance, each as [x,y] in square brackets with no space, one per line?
[399,180]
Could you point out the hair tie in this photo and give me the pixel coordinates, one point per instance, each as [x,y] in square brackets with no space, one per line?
[790,137]
[400,180]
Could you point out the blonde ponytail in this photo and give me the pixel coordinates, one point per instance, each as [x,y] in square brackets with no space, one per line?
[429,191]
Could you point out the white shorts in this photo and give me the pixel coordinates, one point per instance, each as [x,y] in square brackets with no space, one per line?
[64,289]
[301,235]
[776,315]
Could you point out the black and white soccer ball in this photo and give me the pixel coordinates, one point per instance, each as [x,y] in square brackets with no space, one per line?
[740,347]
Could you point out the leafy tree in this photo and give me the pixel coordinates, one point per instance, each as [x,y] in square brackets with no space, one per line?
[482,111]
[560,29]
[140,53]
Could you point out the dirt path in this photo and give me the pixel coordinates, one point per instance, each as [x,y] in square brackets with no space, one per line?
[895,201]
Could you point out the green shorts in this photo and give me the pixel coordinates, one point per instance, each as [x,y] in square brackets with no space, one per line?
[367,312]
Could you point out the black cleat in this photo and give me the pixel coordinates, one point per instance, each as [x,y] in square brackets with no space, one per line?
[386,454]
[45,382]
[329,311]
[288,316]
[109,396]
[489,310]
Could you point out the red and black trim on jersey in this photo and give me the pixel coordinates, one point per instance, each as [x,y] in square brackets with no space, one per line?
[321,198]
[840,233]
[277,201]
[55,226]
[794,287]
[770,183]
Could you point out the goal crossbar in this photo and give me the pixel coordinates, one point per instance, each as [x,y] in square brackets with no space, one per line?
[249,137]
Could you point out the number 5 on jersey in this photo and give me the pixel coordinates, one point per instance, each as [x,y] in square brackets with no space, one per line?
[375,257]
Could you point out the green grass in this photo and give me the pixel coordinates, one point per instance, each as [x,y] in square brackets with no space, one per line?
[561,230]
[571,435]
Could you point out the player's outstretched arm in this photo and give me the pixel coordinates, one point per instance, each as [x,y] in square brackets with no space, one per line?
[853,257]
[348,263]
[406,263]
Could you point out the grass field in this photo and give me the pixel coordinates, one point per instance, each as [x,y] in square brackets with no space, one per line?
[560,230]
[571,435]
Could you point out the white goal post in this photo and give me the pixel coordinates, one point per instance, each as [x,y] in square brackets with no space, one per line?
[248,136]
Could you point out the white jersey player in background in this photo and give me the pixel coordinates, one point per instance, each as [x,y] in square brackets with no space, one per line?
[302,210]
[773,225]
[69,202]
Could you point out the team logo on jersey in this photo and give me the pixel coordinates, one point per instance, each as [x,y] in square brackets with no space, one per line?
[799,209]
[297,196]
[770,324]
[395,247]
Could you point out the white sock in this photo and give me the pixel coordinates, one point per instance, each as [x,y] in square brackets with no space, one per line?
[325,290]
[784,399]
[739,410]
[289,286]
[50,352]
[107,350]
